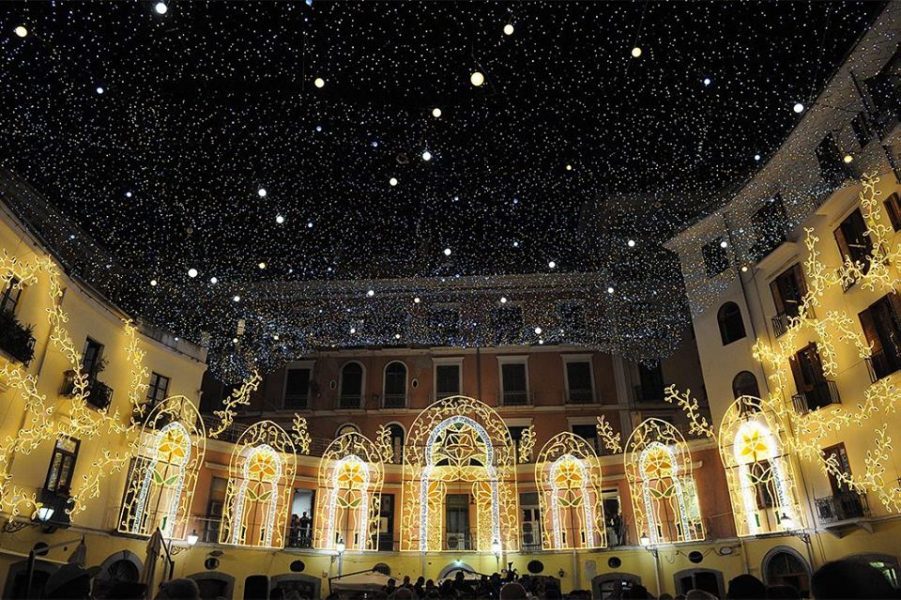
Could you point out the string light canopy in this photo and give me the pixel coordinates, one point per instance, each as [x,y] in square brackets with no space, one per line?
[302,146]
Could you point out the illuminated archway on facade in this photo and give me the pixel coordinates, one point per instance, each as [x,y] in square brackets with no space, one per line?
[350,488]
[568,476]
[664,496]
[752,441]
[161,481]
[257,498]
[459,446]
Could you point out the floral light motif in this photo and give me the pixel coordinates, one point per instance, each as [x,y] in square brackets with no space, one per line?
[349,496]
[463,441]
[568,477]
[664,496]
[257,497]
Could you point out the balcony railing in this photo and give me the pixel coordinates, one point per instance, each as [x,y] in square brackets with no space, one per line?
[580,396]
[781,323]
[99,395]
[350,402]
[882,364]
[823,393]
[515,398]
[395,400]
[15,338]
[59,502]
[296,401]
[648,394]
[842,507]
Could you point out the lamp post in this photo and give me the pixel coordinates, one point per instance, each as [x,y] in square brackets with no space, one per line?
[645,542]
[340,547]
[191,539]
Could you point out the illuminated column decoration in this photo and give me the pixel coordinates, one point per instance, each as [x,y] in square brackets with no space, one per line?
[349,495]
[664,496]
[459,444]
[161,482]
[759,471]
[568,476]
[258,496]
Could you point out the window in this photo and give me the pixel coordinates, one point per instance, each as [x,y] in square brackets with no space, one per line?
[788,291]
[448,377]
[297,388]
[844,503]
[770,225]
[715,258]
[347,428]
[530,522]
[157,389]
[218,486]
[589,433]
[732,327]
[651,388]
[92,359]
[783,566]
[579,381]
[853,242]
[745,384]
[395,388]
[832,169]
[350,393]
[893,208]
[860,124]
[10,297]
[514,381]
[814,390]
[708,580]
[506,323]
[62,465]
[397,442]
[881,324]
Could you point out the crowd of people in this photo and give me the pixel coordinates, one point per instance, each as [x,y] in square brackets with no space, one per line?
[839,580]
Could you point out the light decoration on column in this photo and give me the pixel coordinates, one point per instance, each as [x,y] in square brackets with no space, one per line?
[41,421]
[664,496]
[527,444]
[759,471]
[164,472]
[610,438]
[568,477]
[239,397]
[349,495]
[384,444]
[300,434]
[459,441]
[258,495]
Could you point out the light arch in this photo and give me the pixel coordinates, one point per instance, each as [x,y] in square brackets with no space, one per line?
[568,477]
[168,456]
[261,474]
[350,487]
[664,495]
[463,442]
[760,474]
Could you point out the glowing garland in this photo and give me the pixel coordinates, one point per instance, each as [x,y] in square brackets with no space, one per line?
[239,397]
[611,439]
[527,444]
[300,434]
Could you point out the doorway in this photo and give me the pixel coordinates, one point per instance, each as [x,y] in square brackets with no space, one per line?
[457,519]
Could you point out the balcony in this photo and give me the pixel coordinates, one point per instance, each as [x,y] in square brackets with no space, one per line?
[515,398]
[59,502]
[842,512]
[881,364]
[15,338]
[395,400]
[296,401]
[781,324]
[822,393]
[99,395]
[580,396]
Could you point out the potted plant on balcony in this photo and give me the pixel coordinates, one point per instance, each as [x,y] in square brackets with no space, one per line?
[16,339]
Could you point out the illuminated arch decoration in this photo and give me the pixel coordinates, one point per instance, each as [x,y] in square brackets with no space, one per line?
[257,499]
[754,450]
[459,443]
[350,488]
[162,479]
[568,476]
[664,496]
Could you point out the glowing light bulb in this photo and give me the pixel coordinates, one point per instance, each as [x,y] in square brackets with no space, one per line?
[631,243]
[724,244]
[503,299]
[848,159]
[21,31]
[397,336]
[153,282]
[757,157]
[279,219]
[370,293]
[100,89]
[508,29]
[393,181]
[426,156]
[636,52]
[192,273]
[552,265]
[214,280]
[798,108]
[319,82]
[160,8]
[261,192]
[416,300]
[477,79]
[707,81]
[610,290]
[262,265]
[436,112]
[236,298]
[447,252]
[353,330]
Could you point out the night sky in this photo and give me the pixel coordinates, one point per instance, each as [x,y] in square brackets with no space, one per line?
[199,138]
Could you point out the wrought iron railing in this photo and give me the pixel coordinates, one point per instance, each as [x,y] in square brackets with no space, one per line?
[515,398]
[822,393]
[580,396]
[395,400]
[842,507]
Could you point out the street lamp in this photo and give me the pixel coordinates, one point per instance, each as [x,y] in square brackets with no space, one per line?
[45,513]
[644,540]
[192,537]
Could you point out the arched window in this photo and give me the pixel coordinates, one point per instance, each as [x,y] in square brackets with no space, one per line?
[745,384]
[397,442]
[347,428]
[732,327]
[395,391]
[350,392]
[784,566]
